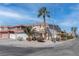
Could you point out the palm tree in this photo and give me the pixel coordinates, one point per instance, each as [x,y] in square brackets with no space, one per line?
[44,13]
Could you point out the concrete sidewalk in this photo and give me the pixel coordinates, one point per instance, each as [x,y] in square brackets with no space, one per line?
[15,43]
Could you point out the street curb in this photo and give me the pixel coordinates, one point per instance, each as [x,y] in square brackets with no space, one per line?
[64,44]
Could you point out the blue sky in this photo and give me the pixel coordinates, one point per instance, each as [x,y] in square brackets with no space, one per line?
[65,15]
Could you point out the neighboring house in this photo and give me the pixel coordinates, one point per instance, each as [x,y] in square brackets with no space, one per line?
[12,32]
[52,30]
[38,28]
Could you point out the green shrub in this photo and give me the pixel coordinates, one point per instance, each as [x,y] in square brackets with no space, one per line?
[70,37]
[20,39]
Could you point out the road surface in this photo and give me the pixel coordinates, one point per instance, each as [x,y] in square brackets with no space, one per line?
[73,50]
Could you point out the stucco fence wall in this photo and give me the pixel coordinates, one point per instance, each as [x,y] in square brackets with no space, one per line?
[17,35]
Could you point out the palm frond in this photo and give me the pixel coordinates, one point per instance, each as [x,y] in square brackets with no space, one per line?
[27,30]
[39,14]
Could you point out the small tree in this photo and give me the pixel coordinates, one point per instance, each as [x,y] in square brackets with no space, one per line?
[28,30]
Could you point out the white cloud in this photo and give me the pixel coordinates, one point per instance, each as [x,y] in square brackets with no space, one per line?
[76,8]
[10,14]
[69,23]
[71,20]
[17,16]
[6,3]
[6,12]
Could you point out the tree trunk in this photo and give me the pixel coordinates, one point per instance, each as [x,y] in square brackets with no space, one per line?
[29,38]
[44,27]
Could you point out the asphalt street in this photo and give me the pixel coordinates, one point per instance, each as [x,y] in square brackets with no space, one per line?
[72,50]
